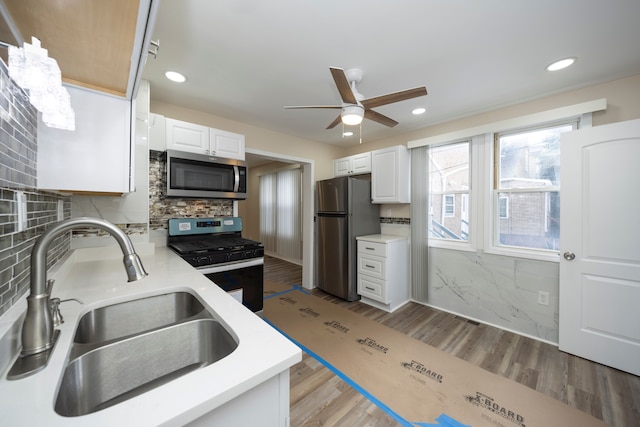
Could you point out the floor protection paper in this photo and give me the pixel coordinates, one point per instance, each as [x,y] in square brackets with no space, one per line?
[417,384]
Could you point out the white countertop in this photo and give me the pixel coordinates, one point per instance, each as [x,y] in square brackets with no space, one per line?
[96,276]
[381,238]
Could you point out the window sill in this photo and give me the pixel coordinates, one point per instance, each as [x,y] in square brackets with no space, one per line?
[549,256]
[456,246]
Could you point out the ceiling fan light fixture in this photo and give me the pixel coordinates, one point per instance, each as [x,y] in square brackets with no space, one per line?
[352,115]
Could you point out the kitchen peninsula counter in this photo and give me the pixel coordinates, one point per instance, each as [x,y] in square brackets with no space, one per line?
[257,368]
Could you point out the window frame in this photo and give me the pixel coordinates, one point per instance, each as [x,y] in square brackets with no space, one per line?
[469,245]
[491,240]
[482,208]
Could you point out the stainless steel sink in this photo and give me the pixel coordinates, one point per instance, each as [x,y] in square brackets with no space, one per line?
[128,318]
[125,368]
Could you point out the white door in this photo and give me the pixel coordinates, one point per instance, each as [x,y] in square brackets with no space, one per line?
[600,245]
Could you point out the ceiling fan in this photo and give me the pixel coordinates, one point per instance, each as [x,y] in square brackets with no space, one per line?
[354,107]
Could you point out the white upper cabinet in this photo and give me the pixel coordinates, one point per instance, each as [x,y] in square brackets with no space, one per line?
[226,144]
[97,157]
[194,138]
[352,165]
[390,175]
[186,136]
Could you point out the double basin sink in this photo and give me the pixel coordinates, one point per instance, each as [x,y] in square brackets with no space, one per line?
[123,350]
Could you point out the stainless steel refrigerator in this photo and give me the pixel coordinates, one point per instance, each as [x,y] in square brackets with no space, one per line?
[343,211]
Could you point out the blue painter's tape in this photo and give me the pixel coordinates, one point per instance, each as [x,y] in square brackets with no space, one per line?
[293,288]
[447,421]
[443,421]
[348,380]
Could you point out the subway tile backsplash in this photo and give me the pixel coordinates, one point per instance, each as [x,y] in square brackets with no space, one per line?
[18,172]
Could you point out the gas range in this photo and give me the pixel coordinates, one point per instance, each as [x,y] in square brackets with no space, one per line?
[211,241]
[216,248]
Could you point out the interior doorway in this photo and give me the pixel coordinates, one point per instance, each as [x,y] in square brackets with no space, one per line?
[249,209]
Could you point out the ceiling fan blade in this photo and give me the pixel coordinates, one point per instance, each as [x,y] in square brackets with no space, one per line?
[343,85]
[334,123]
[379,118]
[394,97]
[291,107]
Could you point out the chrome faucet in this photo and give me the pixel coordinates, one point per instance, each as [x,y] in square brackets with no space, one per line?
[38,334]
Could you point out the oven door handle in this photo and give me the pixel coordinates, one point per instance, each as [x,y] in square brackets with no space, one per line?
[231,266]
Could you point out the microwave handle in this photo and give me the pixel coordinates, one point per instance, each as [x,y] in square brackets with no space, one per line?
[236,173]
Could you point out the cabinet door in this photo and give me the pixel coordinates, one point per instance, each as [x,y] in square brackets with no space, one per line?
[186,136]
[352,165]
[96,157]
[226,144]
[390,175]
[342,166]
[361,163]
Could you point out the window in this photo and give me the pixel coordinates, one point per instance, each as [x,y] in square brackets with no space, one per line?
[503,207]
[449,185]
[502,188]
[449,205]
[526,188]
[280,214]
[495,188]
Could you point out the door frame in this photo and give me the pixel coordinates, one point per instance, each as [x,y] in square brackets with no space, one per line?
[307,208]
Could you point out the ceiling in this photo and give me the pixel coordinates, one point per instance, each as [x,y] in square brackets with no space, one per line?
[247,59]
[91,40]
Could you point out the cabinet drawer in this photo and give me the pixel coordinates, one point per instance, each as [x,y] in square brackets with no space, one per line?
[372,248]
[371,288]
[372,266]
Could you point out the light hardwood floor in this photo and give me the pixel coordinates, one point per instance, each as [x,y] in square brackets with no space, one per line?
[320,398]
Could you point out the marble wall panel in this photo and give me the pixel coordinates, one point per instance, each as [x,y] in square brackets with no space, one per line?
[498,290]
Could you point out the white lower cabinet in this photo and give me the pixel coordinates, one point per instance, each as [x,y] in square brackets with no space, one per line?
[383,270]
[269,403]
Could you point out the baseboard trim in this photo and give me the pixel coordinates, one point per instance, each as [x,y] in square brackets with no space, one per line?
[533,337]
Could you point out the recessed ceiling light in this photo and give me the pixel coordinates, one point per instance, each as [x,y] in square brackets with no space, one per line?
[559,65]
[347,133]
[175,77]
[418,111]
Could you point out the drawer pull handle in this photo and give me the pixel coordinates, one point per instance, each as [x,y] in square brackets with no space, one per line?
[369,249]
[369,266]
[370,289]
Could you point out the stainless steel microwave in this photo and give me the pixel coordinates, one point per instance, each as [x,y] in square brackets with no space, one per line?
[205,177]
